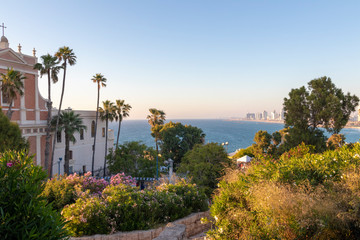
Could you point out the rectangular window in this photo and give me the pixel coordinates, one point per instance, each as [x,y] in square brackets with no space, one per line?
[84,168]
[58,137]
[103,132]
[81,134]
[70,155]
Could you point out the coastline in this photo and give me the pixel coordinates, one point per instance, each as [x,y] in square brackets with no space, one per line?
[350,124]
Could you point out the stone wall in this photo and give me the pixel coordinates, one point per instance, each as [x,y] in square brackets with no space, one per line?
[192,223]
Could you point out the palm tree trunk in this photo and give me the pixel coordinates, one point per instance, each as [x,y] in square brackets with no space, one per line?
[10,112]
[96,122]
[67,148]
[48,129]
[118,134]
[106,138]
[57,121]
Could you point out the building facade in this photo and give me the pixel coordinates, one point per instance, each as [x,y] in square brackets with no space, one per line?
[30,113]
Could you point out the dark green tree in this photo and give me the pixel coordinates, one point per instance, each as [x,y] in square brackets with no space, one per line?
[107,113]
[66,56]
[156,120]
[262,141]
[49,66]
[205,164]
[321,105]
[134,159]
[100,80]
[122,111]
[176,139]
[70,123]
[11,86]
[10,135]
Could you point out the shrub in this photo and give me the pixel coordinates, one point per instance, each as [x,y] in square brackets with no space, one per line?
[24,214]
[125,208]
[305,196]
[86,217]
[63,190]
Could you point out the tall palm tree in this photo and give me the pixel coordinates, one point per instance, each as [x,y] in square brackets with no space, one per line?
[156,119]
[11,85]
[107,113]
[70,123]
[100,80]
[49,66]
[122,111]
[66,56]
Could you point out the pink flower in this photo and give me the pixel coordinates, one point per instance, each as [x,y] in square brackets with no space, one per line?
[9,164]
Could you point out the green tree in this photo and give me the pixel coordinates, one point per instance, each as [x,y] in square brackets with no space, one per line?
[11,85]
[177,139]
[205,164]
[156,119]
[122,111]
[10,135]
[66,56]
[107,113]
[134,159]
[70,123]
[49,66]
[262,141]
[322,105]
[100,80]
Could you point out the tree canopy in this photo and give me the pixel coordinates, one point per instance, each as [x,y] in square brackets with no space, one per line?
[322,104]
[205,164]
[177,139]
[134,159]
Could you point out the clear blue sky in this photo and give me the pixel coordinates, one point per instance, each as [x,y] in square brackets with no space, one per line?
[192,59]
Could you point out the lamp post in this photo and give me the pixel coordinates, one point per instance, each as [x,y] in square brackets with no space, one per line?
[171,166]
[225,144]
[60,158]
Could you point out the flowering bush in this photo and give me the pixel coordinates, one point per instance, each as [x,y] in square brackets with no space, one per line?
[86,217]
[121,178]
[125,208]
[299,196]
[24,214]
[63,190]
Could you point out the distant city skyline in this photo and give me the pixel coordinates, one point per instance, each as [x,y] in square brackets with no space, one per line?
[191,59]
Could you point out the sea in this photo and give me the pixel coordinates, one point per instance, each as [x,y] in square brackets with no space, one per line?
[238,134]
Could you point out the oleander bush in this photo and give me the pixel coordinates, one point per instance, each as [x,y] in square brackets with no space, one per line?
[24,213]
[63,190]
[300,195]
[124,208]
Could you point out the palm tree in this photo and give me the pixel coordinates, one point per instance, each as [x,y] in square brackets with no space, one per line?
[67,56]
[49,67]
[11,85]
[122,111]
[156,119]
[100,80]
[70,123]
[107,113]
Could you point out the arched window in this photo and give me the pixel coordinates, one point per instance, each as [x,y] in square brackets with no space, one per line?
[93,129]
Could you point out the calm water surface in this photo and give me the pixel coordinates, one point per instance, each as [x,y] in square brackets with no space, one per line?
[239,134]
